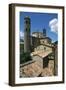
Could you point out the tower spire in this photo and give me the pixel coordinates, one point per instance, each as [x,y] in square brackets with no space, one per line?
[44,32]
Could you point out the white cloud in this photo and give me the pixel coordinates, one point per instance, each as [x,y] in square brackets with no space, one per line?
[53,24]
[21,35]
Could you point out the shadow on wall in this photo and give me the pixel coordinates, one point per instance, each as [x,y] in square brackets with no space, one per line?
[45,62]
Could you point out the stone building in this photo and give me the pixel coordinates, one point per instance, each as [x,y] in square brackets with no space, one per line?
[38,34]
[43,47]
[41,42]
[36,41]
[42,58]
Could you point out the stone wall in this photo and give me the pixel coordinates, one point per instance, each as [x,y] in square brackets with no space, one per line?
[39,60]
[43,48]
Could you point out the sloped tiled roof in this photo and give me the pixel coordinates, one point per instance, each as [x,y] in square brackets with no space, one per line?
[31,70]
[41,53]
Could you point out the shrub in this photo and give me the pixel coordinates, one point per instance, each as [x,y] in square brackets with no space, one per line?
[24,57]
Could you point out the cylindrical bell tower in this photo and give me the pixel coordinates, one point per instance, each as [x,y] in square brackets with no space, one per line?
[27,34]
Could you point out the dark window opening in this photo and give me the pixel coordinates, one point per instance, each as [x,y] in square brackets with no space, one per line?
[26,22]
[43,41]
[26,29]
[44,48]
